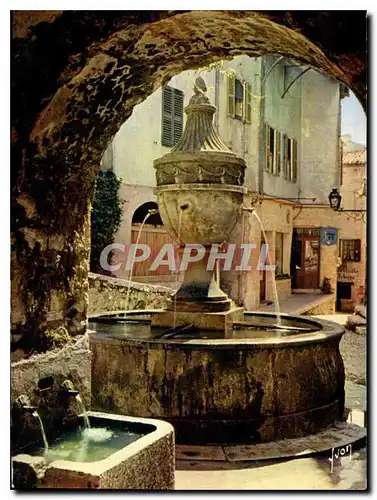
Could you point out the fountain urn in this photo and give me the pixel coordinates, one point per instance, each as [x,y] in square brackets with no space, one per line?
[200,194]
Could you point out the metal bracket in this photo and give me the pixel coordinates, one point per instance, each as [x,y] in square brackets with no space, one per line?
[295,80]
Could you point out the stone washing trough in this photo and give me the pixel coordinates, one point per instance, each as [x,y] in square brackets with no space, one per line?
[139,456]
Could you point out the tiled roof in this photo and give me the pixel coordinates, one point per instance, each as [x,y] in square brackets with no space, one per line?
[358,157]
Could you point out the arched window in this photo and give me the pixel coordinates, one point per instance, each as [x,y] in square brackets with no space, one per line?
[142,211]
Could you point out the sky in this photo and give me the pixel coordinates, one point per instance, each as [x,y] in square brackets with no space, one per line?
[353,119]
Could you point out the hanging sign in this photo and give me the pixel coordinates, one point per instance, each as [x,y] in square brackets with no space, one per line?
[329,236]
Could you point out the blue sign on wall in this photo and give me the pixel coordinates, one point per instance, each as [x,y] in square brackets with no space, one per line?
[329,236]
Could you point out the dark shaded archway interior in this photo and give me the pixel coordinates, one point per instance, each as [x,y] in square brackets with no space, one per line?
[141,212]
[76,77]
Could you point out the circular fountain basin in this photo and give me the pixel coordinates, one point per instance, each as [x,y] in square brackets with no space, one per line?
[259,383]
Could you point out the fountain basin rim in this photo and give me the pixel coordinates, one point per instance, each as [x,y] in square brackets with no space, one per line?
[328,330]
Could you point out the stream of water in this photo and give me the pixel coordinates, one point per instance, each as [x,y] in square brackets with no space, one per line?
[133,259]
[274,287]
[177,269]
[45,443]
[83,411]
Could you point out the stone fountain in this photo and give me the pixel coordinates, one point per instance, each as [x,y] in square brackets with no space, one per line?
[226,376]
[200,194]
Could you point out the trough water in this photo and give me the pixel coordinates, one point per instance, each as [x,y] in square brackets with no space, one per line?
[87,445]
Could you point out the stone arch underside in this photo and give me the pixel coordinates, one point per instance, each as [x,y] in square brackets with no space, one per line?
[76,77]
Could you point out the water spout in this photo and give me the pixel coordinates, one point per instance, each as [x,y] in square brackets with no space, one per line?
[67,388]
[151,211]
[274,287]
[22,403]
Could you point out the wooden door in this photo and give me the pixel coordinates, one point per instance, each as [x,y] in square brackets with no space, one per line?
[155,238]
[305,260]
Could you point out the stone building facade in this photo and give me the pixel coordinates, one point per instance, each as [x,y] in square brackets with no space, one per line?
[284,120]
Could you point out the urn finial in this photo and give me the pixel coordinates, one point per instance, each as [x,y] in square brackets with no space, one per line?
[200,89]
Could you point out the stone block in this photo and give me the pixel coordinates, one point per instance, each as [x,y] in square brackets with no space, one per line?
[221,321]
[361,310]
[361,330]
[354,321]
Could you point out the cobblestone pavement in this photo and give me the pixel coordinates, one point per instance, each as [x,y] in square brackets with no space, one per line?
[353,348]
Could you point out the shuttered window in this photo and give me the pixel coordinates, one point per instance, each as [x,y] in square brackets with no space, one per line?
[294,160]
[289,159]
[285,156]
[172,116]
[269,148]
[239,99]
[278,153]
[231,96]
[273,150]
[247,103]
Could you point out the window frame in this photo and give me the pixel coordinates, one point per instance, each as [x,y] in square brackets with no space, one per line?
[356,242]
[273,150]
[246,105]
[290,154]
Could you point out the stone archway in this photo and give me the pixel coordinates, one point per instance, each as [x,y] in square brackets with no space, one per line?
[76,77]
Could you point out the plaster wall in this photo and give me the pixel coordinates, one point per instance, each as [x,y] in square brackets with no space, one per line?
[320,115]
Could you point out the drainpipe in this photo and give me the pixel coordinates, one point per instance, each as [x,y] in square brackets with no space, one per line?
[217,98]
[261,127]
[339,159]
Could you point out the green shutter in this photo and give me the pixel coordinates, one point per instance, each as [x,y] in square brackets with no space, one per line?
[294,160]
[285,156]
[167,116]
[172,116]
[247,103]
[177,116]
[231,95]
[267,144]
[278,153]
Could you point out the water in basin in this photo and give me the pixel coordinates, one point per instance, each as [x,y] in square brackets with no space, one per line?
[252,328]
[87,445]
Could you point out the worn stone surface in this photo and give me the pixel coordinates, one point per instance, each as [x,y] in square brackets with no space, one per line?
[361,310]
[72,362]
[217,391]
[361,330]
[325,308]
[112,294]
[27,471]
[354,321]
[89,69]
[353,348]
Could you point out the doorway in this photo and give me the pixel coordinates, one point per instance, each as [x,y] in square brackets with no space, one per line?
[305,258]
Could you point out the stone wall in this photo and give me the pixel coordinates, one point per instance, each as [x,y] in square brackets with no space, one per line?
[284,288]
[40,378]
[324,308]
[111,294]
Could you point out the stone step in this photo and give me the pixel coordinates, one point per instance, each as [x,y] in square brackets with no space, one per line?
[354,321]
[340,434]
